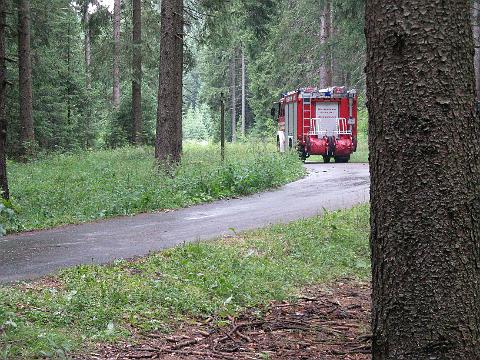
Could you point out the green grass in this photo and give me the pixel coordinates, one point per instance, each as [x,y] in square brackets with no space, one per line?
[81,187]
[89,304]
[361,155]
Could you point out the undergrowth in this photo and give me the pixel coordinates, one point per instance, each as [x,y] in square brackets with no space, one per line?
[81,187]
[92,303]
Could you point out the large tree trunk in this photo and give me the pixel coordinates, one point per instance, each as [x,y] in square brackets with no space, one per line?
[325,70]
[244,95]
[476,36]
[3,117]
[25,78]
[116,54]
[168,145]
[425,180]
[233,94]
[137,72]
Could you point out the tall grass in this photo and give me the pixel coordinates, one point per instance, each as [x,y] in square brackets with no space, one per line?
[81,187]
[361,155]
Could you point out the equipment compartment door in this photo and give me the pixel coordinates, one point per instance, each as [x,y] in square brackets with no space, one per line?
[326,118]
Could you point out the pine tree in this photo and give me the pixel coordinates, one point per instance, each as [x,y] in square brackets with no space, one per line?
[168,144]
[116,53]
[137,72]
[25,78]
[3,115]
[233,94]
[425,180]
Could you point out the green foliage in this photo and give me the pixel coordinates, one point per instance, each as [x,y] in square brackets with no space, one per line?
[198,124]
[7,215]
[126,181]
[69,115]
[59,96]
[89,303]
[120,128]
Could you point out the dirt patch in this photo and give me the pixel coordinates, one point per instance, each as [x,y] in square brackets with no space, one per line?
[327,322]
[46,282]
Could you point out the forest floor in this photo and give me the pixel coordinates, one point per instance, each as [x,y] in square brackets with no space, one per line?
[326,322]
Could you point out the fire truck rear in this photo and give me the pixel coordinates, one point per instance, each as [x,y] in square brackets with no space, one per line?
[318,122]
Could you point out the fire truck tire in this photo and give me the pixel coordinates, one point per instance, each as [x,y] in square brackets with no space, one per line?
[326,159]
[342,159]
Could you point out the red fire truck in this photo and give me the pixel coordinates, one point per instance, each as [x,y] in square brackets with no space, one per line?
[318,122]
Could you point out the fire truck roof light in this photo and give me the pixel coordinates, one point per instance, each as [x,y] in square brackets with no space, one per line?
[327,93]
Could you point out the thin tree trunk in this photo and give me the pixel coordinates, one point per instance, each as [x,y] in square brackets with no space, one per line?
[329,32]
[322,70]
[137,72]
[88,70]
[25,78]
[333,65]
[3,116]
[69,71]
[233,94]
[325,70]
[476,36]
[425,180]
[116,54]
[243,92]
[88,46]
[168,145]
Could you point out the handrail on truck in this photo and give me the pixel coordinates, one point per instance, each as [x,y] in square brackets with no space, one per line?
[342,127]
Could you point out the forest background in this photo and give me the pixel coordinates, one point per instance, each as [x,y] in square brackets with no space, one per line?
[73,55]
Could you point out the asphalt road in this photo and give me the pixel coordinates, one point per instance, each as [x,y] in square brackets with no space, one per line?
[32,254]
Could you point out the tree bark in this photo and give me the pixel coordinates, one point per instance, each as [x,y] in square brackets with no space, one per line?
[88,45]
[168,145]
[69,71]
[88,68]
[476,37]
[233,94]
[425,180]
[25,78]
[244,100]
[3,116]
[116,54]
[137,72]
[326,73]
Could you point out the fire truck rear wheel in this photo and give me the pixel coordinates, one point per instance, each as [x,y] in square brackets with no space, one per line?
[326,159]
[342,159]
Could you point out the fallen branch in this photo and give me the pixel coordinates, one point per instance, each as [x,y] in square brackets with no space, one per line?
[183,344]
[243,336]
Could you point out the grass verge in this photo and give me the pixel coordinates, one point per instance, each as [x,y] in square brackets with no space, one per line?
[88,304]
[75,188]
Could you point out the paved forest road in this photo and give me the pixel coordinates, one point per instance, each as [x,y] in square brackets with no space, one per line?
[328,186]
